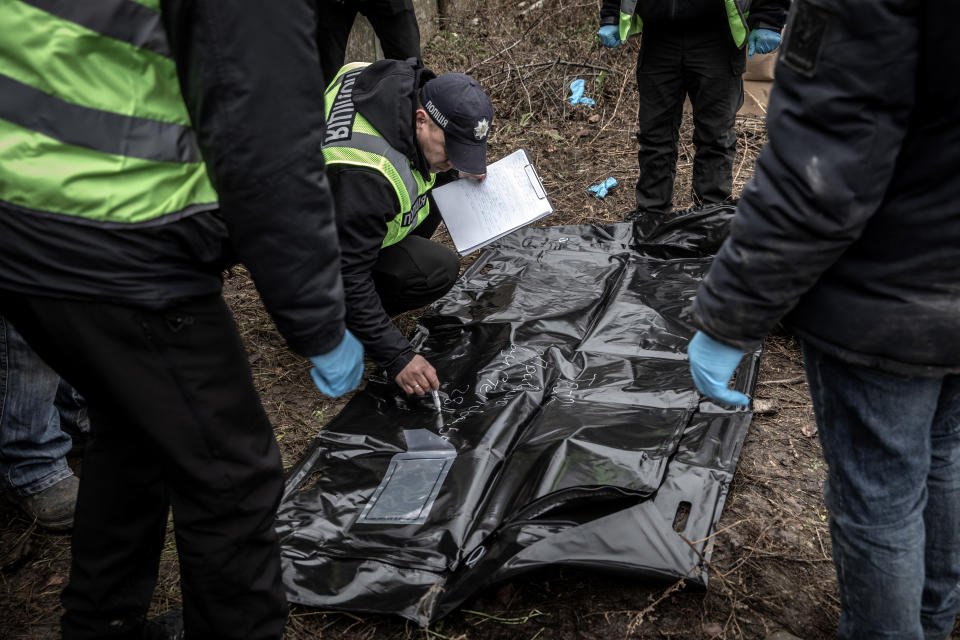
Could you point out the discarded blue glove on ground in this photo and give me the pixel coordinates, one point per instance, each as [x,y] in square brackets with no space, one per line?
[601,189]
[339,370]
[711,364]
[762,41]
[577,98]
[609,35]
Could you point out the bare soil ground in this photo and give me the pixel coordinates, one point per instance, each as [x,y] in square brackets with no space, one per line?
[771,567]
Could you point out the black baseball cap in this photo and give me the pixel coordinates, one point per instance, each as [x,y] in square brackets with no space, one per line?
[460,107]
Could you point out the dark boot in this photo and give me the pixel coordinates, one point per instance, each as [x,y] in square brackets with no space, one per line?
[53,507]
[167,626]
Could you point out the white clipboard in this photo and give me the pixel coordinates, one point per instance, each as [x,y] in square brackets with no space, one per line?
[478,212]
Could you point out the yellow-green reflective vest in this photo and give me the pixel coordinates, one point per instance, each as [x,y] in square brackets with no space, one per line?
[350,139]
[92,121]
[631,24]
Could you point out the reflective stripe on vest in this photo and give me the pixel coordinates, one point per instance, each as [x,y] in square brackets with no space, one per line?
[737,19]
[92,122]
[351,140]
[631,24]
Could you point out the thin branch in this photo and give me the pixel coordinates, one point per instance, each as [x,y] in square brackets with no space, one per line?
[616,108]
[519,40]
[520,75]
[706,563]
[545,15]
[785,381]
[567,63]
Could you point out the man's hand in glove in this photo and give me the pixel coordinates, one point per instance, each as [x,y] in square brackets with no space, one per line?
[340,370]
[762,41]
[712,363]
[609,35]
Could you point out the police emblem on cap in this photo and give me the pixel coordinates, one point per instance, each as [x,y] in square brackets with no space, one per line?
[480,131]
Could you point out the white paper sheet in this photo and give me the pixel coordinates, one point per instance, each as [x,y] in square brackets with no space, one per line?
[510,197]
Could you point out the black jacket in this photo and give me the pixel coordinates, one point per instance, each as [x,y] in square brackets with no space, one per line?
[386,95]
[666,14]
[851,226]
[251,81]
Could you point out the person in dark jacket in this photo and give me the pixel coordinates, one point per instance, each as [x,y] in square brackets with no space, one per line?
[393,21]
[144,150]
[850,233]
[697,49]
[392,126]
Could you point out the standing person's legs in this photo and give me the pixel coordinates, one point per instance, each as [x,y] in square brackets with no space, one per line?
[875,430]
[414,272]
[118,532]
[941,592]
[33,447]
[659,83]
[395,23]
[713,76]
[173,414]
[334,21]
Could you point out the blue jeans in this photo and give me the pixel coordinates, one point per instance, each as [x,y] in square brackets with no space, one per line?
[34,402]
[892,445]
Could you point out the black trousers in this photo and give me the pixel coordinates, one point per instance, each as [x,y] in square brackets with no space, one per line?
[394,22]
[175,421]
[705,65]
[415,271]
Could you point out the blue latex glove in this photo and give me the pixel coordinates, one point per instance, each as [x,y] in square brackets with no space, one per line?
[609,35]
[339,371]
[601,189]
[762,41]
[576,88]
[712,363]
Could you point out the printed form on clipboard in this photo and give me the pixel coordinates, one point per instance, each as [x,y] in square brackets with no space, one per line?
[478,212]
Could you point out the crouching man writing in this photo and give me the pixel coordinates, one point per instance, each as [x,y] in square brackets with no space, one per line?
[392,126]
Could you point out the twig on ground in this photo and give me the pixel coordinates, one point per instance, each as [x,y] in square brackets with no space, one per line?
[719,531]
[515,620]
[637,620]
[759,553]
[706,563]
[505,49]
[616,108]
[785,381]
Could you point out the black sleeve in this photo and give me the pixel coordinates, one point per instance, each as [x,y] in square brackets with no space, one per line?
[837,119]
[610,12]
[365,201]
[251,80]
[768,14]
